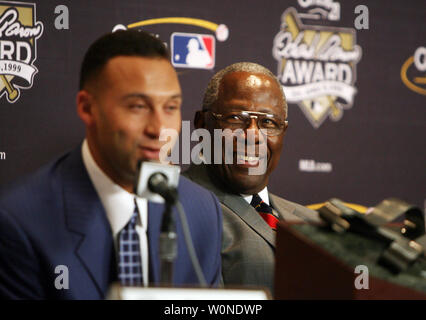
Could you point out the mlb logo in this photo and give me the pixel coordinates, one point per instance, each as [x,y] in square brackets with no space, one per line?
[190,50]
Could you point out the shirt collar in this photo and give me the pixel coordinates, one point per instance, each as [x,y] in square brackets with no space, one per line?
[262,194]
[118,203]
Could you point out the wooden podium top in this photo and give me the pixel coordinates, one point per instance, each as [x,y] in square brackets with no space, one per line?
[314,263]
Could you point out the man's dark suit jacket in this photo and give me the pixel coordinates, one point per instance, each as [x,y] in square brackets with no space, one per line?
[248,247]
[55,217]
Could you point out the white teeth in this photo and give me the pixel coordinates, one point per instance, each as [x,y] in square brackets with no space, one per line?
[247,158]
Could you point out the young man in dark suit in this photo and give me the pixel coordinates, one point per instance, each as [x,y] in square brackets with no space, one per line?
[79,212]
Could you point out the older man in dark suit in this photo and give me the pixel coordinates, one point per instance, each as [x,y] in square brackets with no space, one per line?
[246,97]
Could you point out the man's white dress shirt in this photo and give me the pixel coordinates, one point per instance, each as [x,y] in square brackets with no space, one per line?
[119,206]
[262,194]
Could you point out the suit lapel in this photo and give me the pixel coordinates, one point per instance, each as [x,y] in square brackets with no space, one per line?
[86,217]
[285,210]
[249,215]
[155,214]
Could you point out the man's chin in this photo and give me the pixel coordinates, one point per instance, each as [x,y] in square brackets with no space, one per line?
[151,160]
[249,189]
[243,183]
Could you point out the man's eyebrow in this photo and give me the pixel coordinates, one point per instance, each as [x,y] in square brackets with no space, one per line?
[176,96]
[236,105]
[147,97]
[135,95]
[242,107]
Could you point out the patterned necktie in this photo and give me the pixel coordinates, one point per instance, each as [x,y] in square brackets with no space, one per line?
[130,264]
[265,211]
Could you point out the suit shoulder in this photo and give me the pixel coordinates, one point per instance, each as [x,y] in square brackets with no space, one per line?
[302,211]
[195,195]
[187,185]
[32,188]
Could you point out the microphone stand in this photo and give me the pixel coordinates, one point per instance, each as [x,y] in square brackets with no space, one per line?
[158,183]
[168,244]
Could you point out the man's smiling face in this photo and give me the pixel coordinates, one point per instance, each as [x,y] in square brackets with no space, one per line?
[253,92]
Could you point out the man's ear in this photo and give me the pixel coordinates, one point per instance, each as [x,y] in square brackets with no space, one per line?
[199,120]
[84,103]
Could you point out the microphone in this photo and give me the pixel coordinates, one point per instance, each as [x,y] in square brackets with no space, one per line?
[158,183]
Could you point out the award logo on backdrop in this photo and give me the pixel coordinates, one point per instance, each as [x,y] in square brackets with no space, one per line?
[19,32]
[413,71]
[317,65]
[189,50]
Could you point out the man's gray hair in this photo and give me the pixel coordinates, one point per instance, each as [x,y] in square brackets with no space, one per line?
[212,90]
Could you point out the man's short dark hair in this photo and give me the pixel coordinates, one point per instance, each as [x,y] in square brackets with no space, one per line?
[119,43]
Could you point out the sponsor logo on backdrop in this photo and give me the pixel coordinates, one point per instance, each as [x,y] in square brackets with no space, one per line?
[317,67]
[309,165]
[188,50]
[413,71]
[192,50]
[19,32]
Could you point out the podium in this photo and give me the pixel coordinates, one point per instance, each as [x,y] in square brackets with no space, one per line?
[118,292]
[315,263]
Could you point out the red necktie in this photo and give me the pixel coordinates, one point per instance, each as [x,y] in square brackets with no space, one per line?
[265,211]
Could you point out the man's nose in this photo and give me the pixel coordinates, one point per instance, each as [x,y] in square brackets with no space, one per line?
[253,129]
[155,124]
